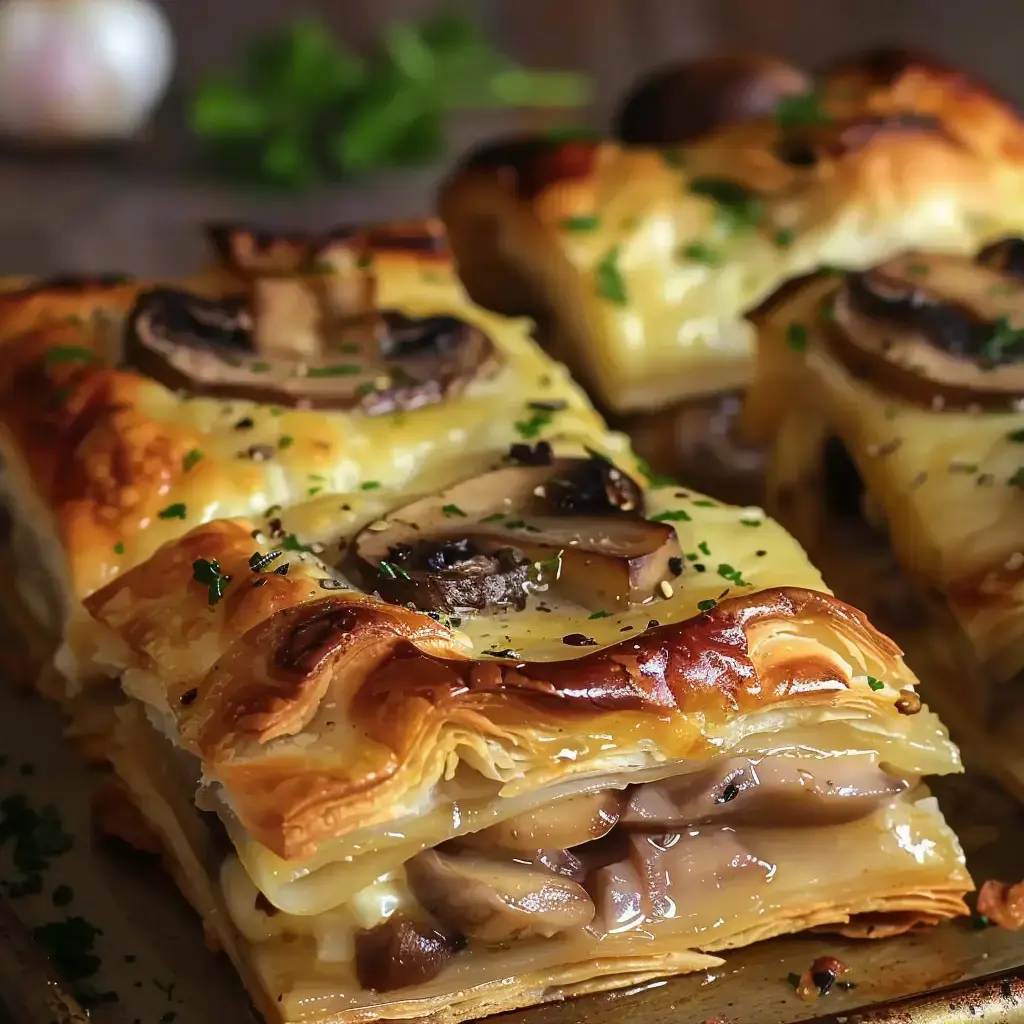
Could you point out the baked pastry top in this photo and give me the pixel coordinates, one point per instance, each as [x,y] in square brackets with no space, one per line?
[134,411]
[917,365]
[645,260]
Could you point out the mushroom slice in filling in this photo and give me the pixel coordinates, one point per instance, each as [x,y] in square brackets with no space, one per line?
[313,342]
[573,524]
[937,329]
[495,900]
[771,792]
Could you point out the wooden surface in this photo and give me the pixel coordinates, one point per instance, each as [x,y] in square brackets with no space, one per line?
[136,208]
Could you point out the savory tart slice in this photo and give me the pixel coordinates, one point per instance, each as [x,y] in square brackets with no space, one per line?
[917,367]
[132,412]
[545,731]
[643,261]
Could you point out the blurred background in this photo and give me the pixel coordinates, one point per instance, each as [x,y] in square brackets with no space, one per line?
[107,106]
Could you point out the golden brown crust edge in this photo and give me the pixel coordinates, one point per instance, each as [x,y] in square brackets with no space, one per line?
[408,682]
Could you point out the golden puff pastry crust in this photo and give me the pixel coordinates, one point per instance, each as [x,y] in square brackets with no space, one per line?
[133,411]
[644,261]
[515,676]
[915,367]
[321,709]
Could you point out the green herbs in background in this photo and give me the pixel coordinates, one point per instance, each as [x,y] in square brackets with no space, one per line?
[801,111]
[301,108]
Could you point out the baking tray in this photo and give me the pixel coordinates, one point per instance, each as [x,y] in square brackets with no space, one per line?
[151,963]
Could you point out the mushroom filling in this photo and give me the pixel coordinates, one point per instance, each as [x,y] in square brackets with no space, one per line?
[575,525]
[306,342]
[937,329]
[611,861]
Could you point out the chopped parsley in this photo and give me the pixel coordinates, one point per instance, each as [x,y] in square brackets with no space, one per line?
[62,895]
[875,684]
[208,572]
[676,515]
[784,238]
[519,524]
[292,543]
[260,367]
[189,461]
[796,337]
[539,419]
[1017,480]
[70,354]
[336,370]
[727,572]
[286,441]
[674,158]
[600,614]
[175,511]
[704,503]
[703,548]
[119,548]
[1017,437]
[453,511]
[801,111]
[918,269]
[582,223]
[369,485]
[1004,343]
[706,606]
[610,283]
[494,517]
[654,479]
[393,571]
[259,561]
[700,252]
[738,207]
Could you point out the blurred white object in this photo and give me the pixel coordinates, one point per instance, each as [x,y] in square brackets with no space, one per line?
[81,70]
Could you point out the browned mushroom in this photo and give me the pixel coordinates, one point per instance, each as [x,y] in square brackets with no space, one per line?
[401,952]
[558,825]
[684,101]
[937,329]
[574,524]
[774,792]
[290,348]
[494,900]
[1006,255]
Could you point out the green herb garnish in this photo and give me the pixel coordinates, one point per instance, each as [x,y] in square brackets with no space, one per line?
[610,282]
[191,459]
[700,252]
[784,238]
[600,614]
[531,428]
[393,571]
[706,606]
[71,354]
[1017,480]
[738,207]
[1005,343]
[175,511]
[1017,437]
[801,111]
[453,511]
[727,572]
[369,485]
[62,895]
[796,337]
[336,370]
[676,515]
[302,108]
[292,543]
[494,517]
[208,572]
[581,224]
[286,441]
[875,684]
[703,548]
[119,548]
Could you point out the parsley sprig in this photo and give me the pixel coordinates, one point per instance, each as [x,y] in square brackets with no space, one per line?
[302,108]
[208,572]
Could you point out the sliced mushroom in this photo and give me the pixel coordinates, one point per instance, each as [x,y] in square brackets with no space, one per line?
[658,874]
[281,353]
[471,546]
[495,901]
[680,103]
[775,792]
[528,164]
[937,329]
[1006,255]
[559,825]
[400,953]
